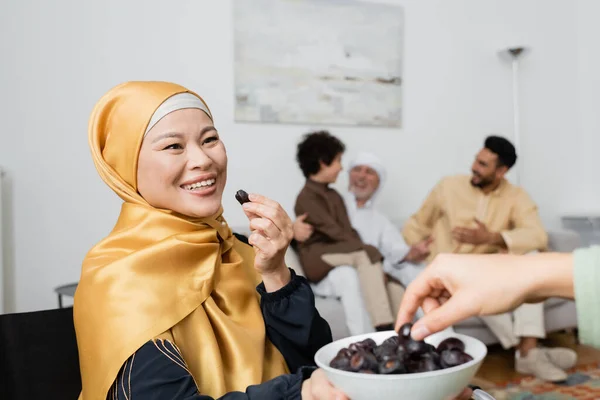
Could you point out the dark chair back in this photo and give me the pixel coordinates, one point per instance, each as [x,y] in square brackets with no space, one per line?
[38,356]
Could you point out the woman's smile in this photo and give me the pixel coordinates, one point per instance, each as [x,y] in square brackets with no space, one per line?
[204,185]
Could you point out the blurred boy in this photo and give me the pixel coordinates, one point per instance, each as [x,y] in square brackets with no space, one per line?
[335,258]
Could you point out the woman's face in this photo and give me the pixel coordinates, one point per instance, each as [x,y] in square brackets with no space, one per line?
[182,164]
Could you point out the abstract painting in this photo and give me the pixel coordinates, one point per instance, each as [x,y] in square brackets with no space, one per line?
[331,62]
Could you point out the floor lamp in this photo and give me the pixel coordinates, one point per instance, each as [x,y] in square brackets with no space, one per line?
[512,54]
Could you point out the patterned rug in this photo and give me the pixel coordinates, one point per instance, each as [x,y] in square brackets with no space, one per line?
[583,384]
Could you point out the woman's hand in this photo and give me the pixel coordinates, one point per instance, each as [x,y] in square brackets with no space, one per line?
[465,395]
[317,387]
[455,287]
[271,234]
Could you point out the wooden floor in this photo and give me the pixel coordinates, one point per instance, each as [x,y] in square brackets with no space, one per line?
[498,367]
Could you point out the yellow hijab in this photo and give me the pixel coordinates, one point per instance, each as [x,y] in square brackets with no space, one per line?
[159,274]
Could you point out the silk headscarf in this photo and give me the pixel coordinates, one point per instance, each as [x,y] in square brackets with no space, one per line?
[159,273]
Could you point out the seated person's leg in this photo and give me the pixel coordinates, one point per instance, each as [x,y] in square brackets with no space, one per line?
[529,326]
[406,272]
[342,282]
[501,326]
[396,291]
[372,281]
[522,334]
[338,259]
[372,284]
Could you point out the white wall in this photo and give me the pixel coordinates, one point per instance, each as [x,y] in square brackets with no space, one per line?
[588,80]
[59,57]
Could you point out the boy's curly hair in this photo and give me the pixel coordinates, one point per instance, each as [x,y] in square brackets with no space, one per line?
[315,147]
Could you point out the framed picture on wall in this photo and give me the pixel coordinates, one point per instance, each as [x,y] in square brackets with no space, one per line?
[332,62]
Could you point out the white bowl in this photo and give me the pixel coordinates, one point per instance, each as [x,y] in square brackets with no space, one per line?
[436,385]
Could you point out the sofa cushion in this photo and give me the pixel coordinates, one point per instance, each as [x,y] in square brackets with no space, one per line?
[563,240]
[554,302]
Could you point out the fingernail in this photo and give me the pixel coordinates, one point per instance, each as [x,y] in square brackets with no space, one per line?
[420,332]
[246,205]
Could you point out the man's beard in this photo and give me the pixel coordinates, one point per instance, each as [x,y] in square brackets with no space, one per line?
[359,194]
[483,182]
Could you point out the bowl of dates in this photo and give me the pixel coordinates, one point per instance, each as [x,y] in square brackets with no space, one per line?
[391,365]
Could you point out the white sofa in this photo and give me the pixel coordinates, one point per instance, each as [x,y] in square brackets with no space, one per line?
[560,314]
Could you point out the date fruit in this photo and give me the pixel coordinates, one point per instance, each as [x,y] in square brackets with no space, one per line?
[451,344]
[242,196]
[405,331]
[400,354]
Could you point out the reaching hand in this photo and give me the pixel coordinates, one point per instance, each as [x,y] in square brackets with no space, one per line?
[455,287]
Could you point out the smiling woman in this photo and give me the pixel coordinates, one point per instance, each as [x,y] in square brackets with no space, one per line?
[182,159]
[167,305]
